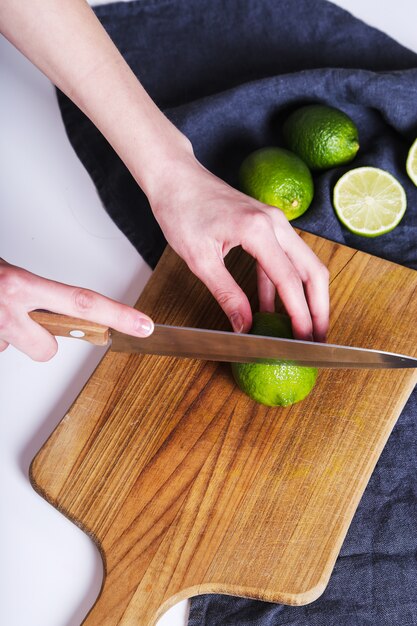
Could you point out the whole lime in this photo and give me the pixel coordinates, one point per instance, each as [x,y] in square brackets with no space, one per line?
[322,136]
[278,177]
[277,384]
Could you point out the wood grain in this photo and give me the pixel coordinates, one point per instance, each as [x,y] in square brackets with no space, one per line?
[66,326]
[188,487]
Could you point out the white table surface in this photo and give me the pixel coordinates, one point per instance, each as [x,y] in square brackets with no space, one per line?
[52,223]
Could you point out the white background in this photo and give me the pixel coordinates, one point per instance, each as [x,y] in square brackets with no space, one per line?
[52,223]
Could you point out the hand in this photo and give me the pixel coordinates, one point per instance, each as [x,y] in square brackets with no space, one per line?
[22,292]
[203,218]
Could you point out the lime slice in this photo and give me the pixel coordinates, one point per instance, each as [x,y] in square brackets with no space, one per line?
[411,164]
[369,201]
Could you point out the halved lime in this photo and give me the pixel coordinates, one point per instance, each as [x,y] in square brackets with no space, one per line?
[369,201]
[411,164]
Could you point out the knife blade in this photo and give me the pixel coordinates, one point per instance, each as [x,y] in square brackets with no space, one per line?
[215,345]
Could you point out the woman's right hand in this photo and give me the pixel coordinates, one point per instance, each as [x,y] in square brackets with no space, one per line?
[22,292]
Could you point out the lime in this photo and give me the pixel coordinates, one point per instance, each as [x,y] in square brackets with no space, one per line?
[276,384]
[412,163]
[321,135]
[369,201]
[279,178]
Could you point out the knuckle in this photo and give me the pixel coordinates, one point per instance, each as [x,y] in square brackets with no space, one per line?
[278,216]
[127,319]
[226,299]
[324,273]
[84,300]
[11,282]
[259,222]
[200,260]
[123,318]
[318,274]
[319,270]
[292,280]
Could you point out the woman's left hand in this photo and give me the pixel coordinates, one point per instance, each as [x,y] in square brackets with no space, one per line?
[203,218]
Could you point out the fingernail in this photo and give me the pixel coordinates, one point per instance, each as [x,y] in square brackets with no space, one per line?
[237,322]
[144,326]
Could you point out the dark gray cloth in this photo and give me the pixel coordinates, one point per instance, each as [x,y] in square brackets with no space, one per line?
[227,72]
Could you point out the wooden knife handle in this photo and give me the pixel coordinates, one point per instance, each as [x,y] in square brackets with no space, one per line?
[66,326]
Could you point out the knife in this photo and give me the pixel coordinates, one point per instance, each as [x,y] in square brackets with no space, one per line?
[215,345]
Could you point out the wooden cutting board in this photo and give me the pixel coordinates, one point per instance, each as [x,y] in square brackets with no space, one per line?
[188,487]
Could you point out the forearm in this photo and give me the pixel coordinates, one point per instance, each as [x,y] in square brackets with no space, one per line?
[201,216]
[68,44]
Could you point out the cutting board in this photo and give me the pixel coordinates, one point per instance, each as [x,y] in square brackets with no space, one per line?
[188,487]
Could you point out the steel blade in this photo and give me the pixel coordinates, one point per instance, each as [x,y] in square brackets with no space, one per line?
[216,345]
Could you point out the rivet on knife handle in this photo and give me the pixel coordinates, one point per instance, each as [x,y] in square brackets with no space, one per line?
[66,326]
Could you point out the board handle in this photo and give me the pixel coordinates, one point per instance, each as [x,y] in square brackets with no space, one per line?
[66,326]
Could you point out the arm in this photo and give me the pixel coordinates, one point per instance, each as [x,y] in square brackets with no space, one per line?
[201,216]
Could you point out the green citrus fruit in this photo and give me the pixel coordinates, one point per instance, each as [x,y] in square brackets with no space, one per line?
[369,201]
[276,384]
[279,178]
[322,136]
[411,164]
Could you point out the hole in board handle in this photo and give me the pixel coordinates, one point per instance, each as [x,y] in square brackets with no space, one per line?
[77,333]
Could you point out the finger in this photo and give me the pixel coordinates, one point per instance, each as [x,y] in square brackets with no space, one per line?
[33,340]
[210,269]
[264,247]
[3,345]
[319,306]
[266,291]
[315,277]
[91,306]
